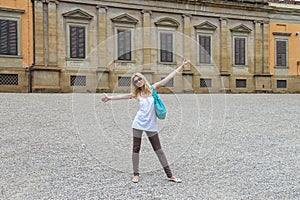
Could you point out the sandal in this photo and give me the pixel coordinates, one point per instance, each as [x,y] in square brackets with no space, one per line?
[175,180]
[135,179]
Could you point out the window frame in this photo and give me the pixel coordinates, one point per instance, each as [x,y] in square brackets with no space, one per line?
[76,24]
[210,35]
[14,15]
[166,30]
[279,83]
[240,36]
[281,39]
[129,29]
[70,38]
[207,83]
[241,80]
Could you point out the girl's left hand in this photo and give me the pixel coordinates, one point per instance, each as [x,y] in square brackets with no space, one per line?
[186,63]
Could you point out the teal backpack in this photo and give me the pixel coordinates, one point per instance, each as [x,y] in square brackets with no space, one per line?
[160,109]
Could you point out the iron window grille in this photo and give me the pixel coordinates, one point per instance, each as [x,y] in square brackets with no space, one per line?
[205,83]
[124,81]
[78,81]
[9,79]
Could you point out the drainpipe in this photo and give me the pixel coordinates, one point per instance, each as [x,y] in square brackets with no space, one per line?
[30,69]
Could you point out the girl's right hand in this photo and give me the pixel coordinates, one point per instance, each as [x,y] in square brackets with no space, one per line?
[105,98]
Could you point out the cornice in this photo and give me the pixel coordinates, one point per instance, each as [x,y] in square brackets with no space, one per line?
[282,34]
[12,10]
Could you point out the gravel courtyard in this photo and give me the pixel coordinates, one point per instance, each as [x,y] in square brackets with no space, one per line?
[223,146]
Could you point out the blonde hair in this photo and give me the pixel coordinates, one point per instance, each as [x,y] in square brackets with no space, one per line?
[136,91]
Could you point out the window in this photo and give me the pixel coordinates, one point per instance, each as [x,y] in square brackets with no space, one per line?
[166,47]
[204,49]
[239,51]
[124,44]
[281,53]
[124,81]
[281,83]
[205,83]
[77,42]
[78,81]
[8,37]
[241,83]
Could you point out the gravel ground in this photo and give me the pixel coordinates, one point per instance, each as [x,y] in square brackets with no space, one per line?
[72,146]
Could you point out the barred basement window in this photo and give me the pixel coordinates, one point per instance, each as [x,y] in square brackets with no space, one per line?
[205,83]
[124,81]
[170,83]
[78,81]
[9,79]
[241,83]
[281,83]
[8,37]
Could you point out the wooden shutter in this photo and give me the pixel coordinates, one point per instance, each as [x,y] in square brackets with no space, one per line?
[77,42]
[204,49]
[239,51]
[8,37]
[281,53]
[166,47]
[124,44]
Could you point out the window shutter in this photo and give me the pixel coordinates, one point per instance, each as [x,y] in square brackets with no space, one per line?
[81,42]
[127,45]
[73,42]
[3,37]
[13,40]
[163,47]
[8,37]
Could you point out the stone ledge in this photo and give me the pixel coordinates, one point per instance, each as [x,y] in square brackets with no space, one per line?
[42,68]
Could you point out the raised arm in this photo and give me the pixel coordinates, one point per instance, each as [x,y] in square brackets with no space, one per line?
[171,75]
[106,98]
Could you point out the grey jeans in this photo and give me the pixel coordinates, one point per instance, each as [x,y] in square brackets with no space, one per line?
[154,140]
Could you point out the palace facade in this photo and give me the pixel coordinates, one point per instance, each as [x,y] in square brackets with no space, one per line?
[16,44]
[95,46]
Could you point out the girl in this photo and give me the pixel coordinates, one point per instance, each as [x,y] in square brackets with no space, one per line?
[145,119]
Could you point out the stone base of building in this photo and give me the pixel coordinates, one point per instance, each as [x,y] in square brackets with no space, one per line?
[53,80]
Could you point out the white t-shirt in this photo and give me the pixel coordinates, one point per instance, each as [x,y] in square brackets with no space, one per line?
[145,118]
